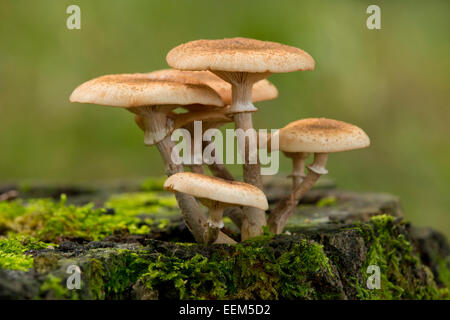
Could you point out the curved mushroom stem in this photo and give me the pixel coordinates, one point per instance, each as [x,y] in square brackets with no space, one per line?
[298,172]
[278,217]
[235,214]
[190,210]
[218,169]
[242,108]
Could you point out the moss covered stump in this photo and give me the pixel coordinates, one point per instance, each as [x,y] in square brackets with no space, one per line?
[128,242]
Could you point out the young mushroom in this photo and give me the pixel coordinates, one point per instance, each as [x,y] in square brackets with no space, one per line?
[216,194]
[242,62]
[319,136]
[153,101]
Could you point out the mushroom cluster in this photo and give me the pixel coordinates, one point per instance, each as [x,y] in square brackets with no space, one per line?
[217,82]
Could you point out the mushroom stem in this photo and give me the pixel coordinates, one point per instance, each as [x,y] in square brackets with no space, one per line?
[197,168]
[190,210]
[253,218]
[278,217]
[241,108]
[298,172]
[218,169]
[319,164]
[235,214]
[215,222]
[155,122]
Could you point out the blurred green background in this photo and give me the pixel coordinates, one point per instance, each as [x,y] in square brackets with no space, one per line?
[393,82]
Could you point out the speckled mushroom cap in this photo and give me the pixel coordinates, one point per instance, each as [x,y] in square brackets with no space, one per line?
[136,90]
[216,189]
[262,90]
[239,55]
[321,135]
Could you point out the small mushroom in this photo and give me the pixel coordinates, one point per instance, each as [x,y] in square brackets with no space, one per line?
[216,194]
[320,136]
[242,62]
[154,101]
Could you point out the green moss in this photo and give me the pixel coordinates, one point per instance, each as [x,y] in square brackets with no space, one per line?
[143,202]
[96,274]
[327,202]
[51,221]
[53,287]
[402,274]
[251,271]
[254,269]
[443,271]
[110,278]
[13,252]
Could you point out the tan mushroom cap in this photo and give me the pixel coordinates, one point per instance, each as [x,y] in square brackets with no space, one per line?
[239,55]
[262,90]
[136,90]
[216,189]
[321,135]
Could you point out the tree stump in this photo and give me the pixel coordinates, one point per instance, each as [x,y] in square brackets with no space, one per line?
[337,245]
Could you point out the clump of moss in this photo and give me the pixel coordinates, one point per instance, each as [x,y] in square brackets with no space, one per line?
[50,221]
[444,271]
[96,273]
[53,286]
[13,252]
[136,203]
[112,277]
[327,202]
[402,274]
[251,271]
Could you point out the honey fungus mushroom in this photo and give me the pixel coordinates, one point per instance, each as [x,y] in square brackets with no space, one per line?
[216,194]
[242,62]
[320,136]
[154,101]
